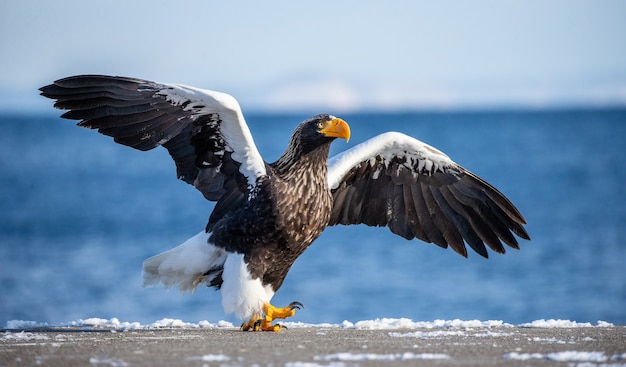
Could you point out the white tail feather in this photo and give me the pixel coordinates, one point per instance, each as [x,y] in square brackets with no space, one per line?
[184,266]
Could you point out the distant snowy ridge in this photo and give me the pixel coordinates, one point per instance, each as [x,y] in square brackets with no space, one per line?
[377,324]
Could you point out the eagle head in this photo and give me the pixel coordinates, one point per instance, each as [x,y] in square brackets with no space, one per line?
[322,129]
[314,135]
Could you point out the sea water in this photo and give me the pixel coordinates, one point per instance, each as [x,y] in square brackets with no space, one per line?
[78,214]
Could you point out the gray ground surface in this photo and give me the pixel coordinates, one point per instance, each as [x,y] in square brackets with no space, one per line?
[316,346]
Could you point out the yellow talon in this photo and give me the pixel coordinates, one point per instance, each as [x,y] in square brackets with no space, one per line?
[259,322]
[272,312]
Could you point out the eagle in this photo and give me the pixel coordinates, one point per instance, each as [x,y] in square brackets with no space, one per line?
[267,214]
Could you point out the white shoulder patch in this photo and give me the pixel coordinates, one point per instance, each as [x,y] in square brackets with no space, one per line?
[233,127]
[387,146]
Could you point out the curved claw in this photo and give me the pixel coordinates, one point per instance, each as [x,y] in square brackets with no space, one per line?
[253,323]
[294,305]
[257,325]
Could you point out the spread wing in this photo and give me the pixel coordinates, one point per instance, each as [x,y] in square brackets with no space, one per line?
[417,191]
[204,131]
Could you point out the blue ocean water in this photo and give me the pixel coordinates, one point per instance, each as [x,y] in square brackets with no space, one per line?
[78,214]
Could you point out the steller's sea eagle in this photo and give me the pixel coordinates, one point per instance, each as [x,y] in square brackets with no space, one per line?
[267,214]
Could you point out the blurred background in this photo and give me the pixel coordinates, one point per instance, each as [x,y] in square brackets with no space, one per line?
[529,95]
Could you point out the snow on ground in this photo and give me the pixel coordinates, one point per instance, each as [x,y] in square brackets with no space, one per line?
[548,324]
[377,324]
[211,358]
[25,332]
[428,334]
[23,336]
[114,323]
[379,357]
[403,323]
[113,362]
[386,323]
[566,356]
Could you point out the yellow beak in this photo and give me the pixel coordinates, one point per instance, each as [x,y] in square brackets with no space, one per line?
[337,128]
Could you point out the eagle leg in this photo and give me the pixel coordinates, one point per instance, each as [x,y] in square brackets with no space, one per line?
[272,313]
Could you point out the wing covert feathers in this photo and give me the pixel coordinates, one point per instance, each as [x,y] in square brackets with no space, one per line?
[202,130]
[418,192]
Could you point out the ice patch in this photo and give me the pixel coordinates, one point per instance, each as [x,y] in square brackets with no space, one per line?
[403,323]
[563,324]
[314,364]
[551,340]
[566,356]
[379,357]
[23,336]
[211,358]
[113,362]
[428,334]
[446,333]
[491,334]
[618,357]
[298,324]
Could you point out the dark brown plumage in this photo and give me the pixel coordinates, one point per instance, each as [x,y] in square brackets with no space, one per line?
[290,209]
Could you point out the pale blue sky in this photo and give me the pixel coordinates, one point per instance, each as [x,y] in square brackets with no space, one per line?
[333,55]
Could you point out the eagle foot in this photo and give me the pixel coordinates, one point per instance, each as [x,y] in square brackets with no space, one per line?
[270,313]
[254,323]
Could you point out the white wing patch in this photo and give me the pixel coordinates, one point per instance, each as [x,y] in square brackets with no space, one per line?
[426,158]
[233,128]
